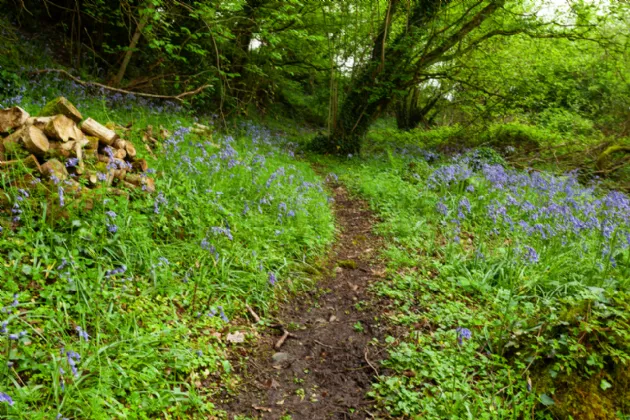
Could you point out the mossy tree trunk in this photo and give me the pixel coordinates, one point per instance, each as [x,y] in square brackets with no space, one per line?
[410,113]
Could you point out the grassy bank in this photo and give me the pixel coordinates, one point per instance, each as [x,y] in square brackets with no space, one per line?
[118,307]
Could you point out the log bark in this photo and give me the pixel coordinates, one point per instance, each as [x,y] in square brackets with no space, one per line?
[96,129]
[120,154]
[35,141]
[78,150]
[61,106]
[63,128]
[57,152]
[119,144]
[56,168]
[92,143]
[145,182]
[39,122]
[141,165]
[12,118]
[131,150]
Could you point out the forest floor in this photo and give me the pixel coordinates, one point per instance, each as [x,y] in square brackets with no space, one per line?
[325,368]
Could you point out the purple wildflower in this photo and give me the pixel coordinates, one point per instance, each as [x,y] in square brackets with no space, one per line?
[222,314]
[62,201]
[82,334]
[463,334]
[530,255]
[6,398]
[272,278]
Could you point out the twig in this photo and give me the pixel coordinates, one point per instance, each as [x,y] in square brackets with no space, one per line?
[282,339]
[365,354]
[252,313]
[128,92]
[285,334]
[326,345]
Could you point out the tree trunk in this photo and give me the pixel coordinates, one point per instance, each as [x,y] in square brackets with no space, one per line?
[393,69]
[363,102]
[242,41]
[409,113]
[144,19]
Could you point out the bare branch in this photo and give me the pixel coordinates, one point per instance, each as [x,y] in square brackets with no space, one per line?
[179,97]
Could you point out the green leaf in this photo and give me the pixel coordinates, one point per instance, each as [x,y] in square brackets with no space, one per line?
[604,385]
[546,400]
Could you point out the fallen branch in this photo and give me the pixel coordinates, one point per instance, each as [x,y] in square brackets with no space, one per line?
[253,314]
[282,339]
[128,92]
[285,334]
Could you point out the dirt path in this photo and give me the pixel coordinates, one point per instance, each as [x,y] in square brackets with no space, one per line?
[324,371]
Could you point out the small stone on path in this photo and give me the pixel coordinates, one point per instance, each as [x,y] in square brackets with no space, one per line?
[279,358]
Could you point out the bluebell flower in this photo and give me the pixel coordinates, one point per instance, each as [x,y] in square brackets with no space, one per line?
[112,228]
[72,162]
[6,398]
[82,334]
[442,209]
[222,314]
[530,255]
[463,334]
[272,278]
[61,196]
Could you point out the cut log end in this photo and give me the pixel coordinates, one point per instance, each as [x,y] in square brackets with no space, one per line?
[63,128]
[96,129]
[12,118]
[35,141]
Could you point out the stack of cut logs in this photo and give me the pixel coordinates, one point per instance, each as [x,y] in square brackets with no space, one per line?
[61,145]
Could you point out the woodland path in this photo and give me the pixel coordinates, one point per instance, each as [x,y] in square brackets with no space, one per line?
[326,369]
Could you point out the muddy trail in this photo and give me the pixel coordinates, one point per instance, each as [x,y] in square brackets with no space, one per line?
[324,368]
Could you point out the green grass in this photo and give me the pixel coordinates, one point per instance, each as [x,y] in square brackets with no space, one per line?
[550,333]
[228,213]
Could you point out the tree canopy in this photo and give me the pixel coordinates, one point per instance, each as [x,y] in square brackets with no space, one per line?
[341,64]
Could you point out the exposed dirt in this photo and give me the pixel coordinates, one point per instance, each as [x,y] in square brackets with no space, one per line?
[326,369]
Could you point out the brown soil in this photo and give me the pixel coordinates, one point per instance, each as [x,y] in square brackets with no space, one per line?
[330,362]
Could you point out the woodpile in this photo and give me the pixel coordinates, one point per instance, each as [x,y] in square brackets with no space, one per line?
[60,144]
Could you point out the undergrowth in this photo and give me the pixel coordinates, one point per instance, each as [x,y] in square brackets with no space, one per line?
[118,307]
[512,287]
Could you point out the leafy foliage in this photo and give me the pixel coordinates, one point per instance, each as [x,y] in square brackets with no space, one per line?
[504,255]
[116,307]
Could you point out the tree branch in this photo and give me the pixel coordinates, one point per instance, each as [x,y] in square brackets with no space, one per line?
[179,97]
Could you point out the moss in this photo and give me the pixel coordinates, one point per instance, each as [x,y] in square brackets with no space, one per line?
[350,264]
[578,397]
[607,155]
